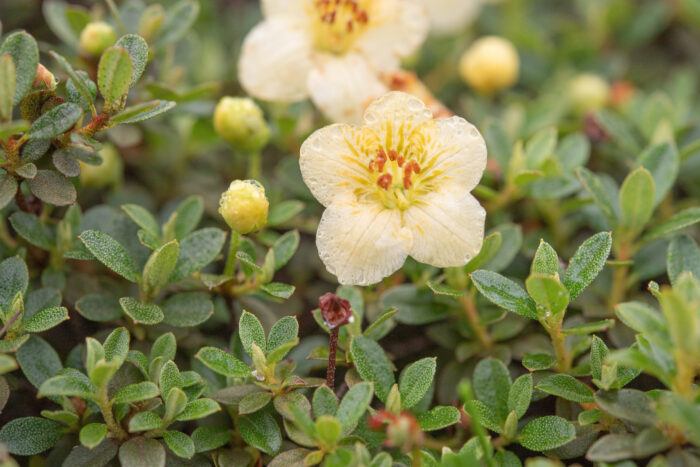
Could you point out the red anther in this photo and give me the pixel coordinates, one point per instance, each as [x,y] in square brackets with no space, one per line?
[349,26]
[407,181]
[362,17]
[332,16]
[371,165]
[393,155]
[412,167]
[381,160]
[400,160]
[384,181]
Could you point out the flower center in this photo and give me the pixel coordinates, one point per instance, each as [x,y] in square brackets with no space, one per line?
[394,176]
[337,23]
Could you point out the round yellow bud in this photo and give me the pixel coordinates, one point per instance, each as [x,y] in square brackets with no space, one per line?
[96,37]
[490,64]
[241,122]
[109,173]
[244,206]
[588,92]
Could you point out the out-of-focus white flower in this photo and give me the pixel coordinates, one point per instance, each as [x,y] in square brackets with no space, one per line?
[451,16]
[330,50]
[396,186]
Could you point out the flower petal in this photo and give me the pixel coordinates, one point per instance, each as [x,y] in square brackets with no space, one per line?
[343,86]
[396,29]
[396,115]
[447,226]
[332,162]
[455,153]
[275,61]
[361,243]
[451,16]
[288,8]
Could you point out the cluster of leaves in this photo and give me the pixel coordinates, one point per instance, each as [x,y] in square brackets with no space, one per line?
[571,337]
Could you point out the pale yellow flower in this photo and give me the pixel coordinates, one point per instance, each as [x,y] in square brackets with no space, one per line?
[490,64]
[451,16]
[396,186]
[329,50]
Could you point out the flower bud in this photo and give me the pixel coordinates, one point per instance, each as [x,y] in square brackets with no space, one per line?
[334,310]
[96,37]
[490,64]
[588,92]
[109,173]
[244,206]
[45,77]
[241,122]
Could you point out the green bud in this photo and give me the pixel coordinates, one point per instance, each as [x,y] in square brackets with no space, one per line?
[241,122]
[244,206]
[510,428]
[151,22]
[393,400]
[588,93]
[96,37]
[108,173]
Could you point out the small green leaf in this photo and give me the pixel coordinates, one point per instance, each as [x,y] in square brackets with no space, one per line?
[587,263]
[547,432]
[136,392]
[540,361]
[254,402]
[520,395]
[179,443]
[282,212]
[618,129]
[92,434]
[589,328]
[285,247]
[354,405]
[37,359]
[662,162]
[7,86]
[143,111]
[144,421]
[14,279]
[25,56]
[116,345]
[441,289]
[187,309]
[110,253]
[28,436]
[46,319]
[65,385]
[207,438]
[373,365]
[566,387]
[680,220]
[178,20]
[594,185]
[260,430]
[198,249]
[139,452]
[160,266]
[504,293]
[250,330]
[225,364]
[683,255]
[325,402]
[137,48]
[415,381]
[52,188]
[492,383]
[329,429]
[8,188]
[381,325]
[56,121]
[284,331]
[80,84]
[142,218]
[438,418]
[278,289]
[114,74]
[548,293]
[636,203]
[628,404]
[141,312]
[99,308]
[546,260]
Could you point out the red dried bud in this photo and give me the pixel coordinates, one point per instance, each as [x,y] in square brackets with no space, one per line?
[335,310]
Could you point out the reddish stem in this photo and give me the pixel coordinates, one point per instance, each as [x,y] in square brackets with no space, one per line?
[332,347]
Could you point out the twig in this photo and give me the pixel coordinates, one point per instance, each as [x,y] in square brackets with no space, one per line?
[332,347]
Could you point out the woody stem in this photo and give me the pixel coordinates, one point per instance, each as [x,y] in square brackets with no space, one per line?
[332,347]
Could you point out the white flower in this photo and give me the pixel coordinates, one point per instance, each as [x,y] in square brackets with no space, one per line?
[396,186]
[451,16]
[330,50]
